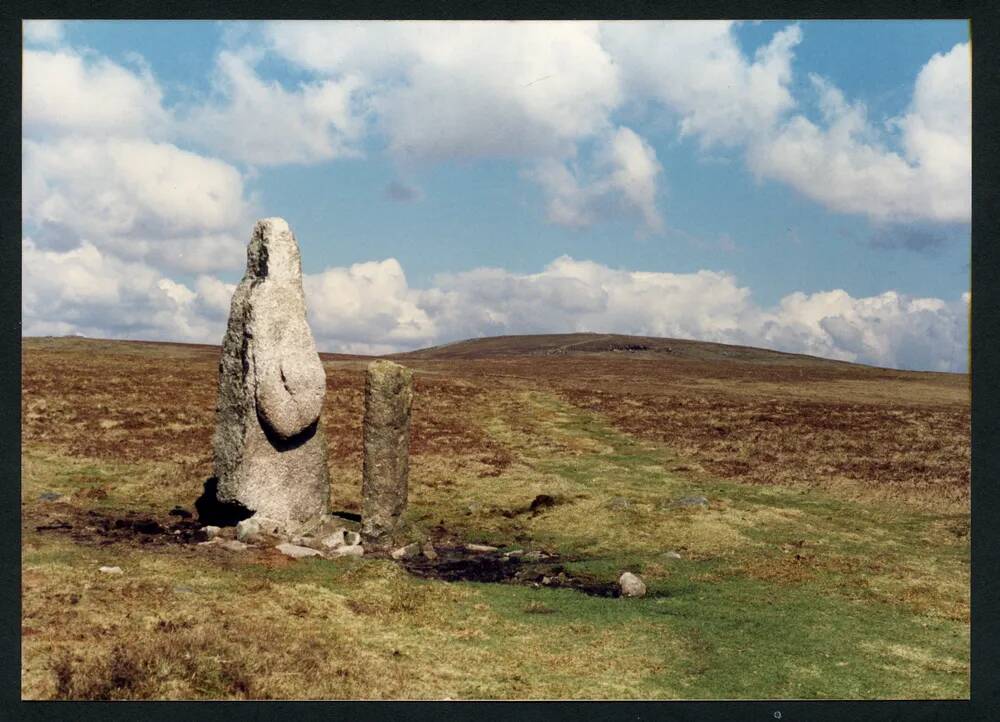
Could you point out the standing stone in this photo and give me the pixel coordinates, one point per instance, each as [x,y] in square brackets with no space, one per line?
[388,397]
[270,451]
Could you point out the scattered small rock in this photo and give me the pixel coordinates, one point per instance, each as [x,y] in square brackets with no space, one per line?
[428,551]
[480,548]
[475,507]
[514,553]
[692,501]
[671,555]
[49,496]
[534,556]
[332,541]
[111,570]
[632,585]
[247,529]
[211,531]
[181,512]
[183,589]
[410,551]
[231,545]
[297,552]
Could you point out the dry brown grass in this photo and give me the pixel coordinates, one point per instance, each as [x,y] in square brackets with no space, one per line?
[876,433]
[887,434]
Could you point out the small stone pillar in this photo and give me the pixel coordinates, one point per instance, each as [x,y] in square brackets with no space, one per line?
[388,397]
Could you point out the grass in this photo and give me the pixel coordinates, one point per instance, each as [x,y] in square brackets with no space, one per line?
[781,591]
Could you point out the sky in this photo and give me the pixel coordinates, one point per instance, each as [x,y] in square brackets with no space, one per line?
[800,186]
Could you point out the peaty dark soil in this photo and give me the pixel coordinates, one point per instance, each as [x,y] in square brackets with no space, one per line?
[457,564]
[95,527]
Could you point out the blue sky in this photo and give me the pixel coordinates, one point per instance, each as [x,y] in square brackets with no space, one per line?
[801,186]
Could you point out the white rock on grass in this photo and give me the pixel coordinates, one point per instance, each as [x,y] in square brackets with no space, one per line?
[211,531]
[111,570]
[296,552]
[231,545]
[480,548]
[632,585]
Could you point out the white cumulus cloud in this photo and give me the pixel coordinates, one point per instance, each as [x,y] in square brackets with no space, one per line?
[43,32]
[99,167]
[92,293]
[370,308]
[848,164]
[142,199]
[623,180]
[257,121]
[68,92]
[697,70]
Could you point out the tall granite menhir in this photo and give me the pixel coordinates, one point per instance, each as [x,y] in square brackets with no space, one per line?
[270,452]
[388,397]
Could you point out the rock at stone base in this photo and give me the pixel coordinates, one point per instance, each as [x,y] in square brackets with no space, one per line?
[632,585]
[296,552]
[410,551]
[231,545]
[256,528]
[428,552]
[480,548]
[321,526]
[352,550]
[111,570]
[211,531]
[334,540]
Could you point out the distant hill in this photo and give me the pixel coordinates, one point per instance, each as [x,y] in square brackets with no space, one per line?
[608,344]
[550,346]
